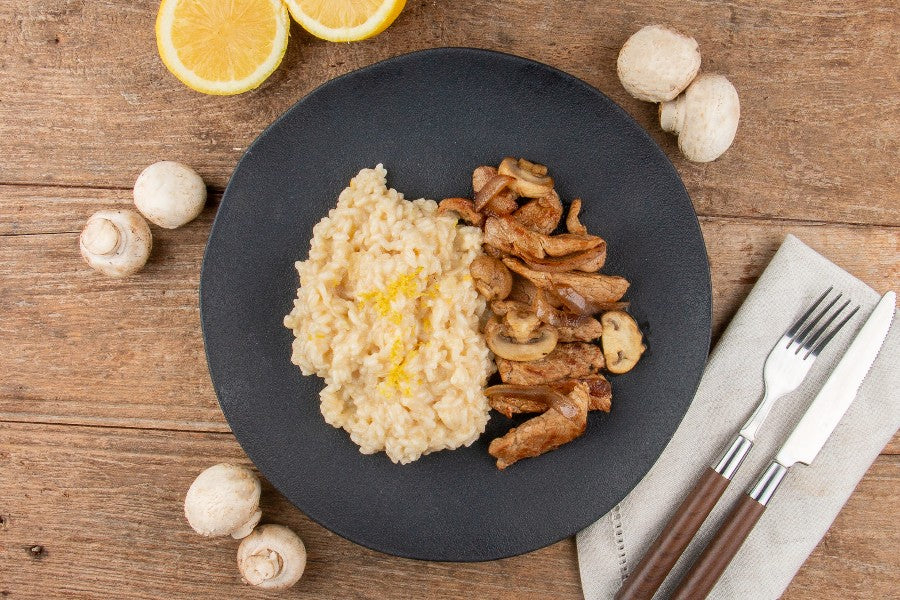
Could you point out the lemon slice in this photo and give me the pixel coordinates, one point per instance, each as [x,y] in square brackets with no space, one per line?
[345,20]
[222,46]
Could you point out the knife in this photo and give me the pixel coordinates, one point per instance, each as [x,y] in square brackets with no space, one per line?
[802,446]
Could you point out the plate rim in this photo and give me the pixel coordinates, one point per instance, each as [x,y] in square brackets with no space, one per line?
[399,58]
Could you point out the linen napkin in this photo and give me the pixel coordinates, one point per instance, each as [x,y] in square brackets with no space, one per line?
[810,497]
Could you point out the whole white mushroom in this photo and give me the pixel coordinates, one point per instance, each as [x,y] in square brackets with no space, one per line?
[705,117]
[272,557]
[656,63]
[224,500]
[116,242]
[169,194]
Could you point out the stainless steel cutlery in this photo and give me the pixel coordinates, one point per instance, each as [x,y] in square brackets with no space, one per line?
[785,368]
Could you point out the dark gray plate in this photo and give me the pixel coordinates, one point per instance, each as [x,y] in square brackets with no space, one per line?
[431,117]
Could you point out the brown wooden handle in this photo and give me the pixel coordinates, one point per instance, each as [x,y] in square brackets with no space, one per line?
[718,554]
[662,555]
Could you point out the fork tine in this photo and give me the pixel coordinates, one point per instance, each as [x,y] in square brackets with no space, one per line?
[801,337]
[796,326]
[815,351]
[810,342]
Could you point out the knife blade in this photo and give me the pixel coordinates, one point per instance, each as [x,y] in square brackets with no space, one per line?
[802,445]
[840,388]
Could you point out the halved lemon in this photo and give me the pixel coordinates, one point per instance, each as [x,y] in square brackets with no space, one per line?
[222,46]
[345,20]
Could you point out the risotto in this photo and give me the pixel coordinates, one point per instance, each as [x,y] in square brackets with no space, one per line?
[388,316]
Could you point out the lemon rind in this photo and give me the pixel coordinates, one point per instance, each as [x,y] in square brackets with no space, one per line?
[386,14]
[169,54]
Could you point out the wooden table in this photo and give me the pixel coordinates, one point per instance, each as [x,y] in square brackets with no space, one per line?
[106,408]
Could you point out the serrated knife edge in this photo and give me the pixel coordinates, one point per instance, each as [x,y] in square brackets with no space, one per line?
[840,389]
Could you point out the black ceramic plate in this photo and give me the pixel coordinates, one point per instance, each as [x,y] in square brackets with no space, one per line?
[431,117]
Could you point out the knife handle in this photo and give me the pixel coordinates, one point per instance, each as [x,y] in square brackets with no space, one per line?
[662,555]
[718,554]
[716,557]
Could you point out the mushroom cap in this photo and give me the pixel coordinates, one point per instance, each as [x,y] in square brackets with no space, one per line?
[169,194]
[272,557]
[223,500]
[499,340]
[656,63]
[116,242]
[705,117]
[623,343]
[530,180]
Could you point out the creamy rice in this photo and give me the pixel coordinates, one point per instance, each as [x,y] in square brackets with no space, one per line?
[388,316]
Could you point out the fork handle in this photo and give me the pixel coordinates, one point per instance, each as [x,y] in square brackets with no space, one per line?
[704,574]
[664,552]
[717,555]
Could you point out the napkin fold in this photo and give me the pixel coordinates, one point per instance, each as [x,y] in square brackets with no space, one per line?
[810,497]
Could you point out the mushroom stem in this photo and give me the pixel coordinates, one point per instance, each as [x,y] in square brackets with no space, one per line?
[264,564]
[116,242]
[529,179]
[272,557]
[705,117]
[101,237]
[671,115]
[503,344]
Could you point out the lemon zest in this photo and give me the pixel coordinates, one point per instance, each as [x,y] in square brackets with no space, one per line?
[405,285]
[398,377]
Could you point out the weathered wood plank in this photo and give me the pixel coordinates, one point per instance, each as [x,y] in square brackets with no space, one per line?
[739,251]
[28,210]
[81,348]
[86,101]
[857,558]
[87,349]
[104,505]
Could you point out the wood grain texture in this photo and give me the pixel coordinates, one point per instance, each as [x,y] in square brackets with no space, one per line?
[857,558]
[81,85]
[32,210]
[85,349]
[94,350]
[105,506]
[106,408]
[89,511]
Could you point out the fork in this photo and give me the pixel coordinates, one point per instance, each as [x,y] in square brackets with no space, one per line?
[785,369]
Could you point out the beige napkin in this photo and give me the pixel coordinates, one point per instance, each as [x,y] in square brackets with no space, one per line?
[810,497]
